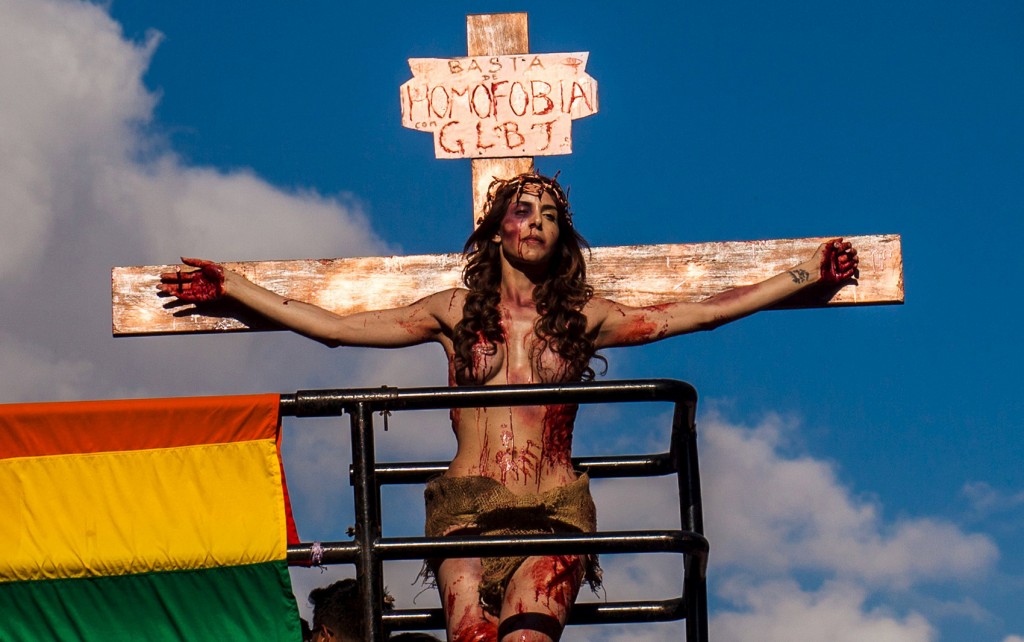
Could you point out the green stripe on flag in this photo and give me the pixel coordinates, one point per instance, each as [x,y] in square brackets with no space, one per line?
[248,603]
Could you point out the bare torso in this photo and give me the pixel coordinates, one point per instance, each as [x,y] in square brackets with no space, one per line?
[526,448]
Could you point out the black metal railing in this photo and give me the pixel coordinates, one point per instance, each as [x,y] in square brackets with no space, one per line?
[369,549]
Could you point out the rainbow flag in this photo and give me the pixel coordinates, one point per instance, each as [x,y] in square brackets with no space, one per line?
[157,519]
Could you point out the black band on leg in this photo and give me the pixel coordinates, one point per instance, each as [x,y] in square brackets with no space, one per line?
[540,622]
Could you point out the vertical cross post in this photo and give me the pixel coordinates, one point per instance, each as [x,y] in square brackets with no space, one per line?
[486,35]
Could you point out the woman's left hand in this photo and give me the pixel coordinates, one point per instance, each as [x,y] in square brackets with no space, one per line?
[837,260]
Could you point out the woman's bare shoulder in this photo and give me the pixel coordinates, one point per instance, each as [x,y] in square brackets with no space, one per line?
[598,307]
[601,312]
[447,296]
[446,304]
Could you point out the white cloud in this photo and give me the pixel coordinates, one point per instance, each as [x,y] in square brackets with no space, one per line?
[85,185]
[316,453]
[781,514]
[71,94]
[781,612]
[228,215]
[772,517]
[986,500]
[40,369]
[628,633]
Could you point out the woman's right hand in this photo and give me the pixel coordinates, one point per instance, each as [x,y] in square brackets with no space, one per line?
[201,285]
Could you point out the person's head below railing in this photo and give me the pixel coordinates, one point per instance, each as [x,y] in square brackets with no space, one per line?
[337,612]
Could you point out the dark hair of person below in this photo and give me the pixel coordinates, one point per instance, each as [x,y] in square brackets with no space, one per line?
[337,606]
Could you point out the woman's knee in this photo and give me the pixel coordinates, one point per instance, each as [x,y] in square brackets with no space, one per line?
[483,631]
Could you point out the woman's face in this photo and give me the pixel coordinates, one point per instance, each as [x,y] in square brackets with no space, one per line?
[529,230]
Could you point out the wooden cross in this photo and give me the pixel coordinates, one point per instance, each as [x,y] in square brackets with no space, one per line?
[634,275]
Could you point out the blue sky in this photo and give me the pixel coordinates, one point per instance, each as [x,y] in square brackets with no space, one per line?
[861,464]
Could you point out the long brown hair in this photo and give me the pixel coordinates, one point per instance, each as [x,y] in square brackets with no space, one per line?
[559,298]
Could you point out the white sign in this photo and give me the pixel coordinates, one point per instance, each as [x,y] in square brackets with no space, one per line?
[499,106]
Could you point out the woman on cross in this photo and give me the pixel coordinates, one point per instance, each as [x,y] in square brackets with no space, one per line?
[525,315]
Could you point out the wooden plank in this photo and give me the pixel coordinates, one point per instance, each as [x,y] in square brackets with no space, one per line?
[499,106]
[636,275]
[496,33]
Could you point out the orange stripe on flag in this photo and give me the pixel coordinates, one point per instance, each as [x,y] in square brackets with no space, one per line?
[38,429]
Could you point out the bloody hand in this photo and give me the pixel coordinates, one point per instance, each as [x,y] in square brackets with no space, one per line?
[204,284]
[838,261]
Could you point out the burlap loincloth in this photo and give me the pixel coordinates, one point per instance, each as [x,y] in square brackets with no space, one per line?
[486,507]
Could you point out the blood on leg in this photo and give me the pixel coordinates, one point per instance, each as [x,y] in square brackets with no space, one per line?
[539,597]
[458,581]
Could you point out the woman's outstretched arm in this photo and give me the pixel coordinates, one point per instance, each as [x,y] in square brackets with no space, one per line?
[622,325]
[418,322]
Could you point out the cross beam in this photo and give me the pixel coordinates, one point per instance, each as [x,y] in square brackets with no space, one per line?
[635,275]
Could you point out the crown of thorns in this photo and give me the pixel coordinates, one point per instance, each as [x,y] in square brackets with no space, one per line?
[530,183]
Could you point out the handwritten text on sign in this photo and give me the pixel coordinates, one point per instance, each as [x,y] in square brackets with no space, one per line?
[499,106]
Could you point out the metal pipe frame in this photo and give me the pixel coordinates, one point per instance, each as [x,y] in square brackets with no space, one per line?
[369,549]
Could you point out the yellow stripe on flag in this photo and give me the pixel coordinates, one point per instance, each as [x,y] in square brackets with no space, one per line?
[115,513]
